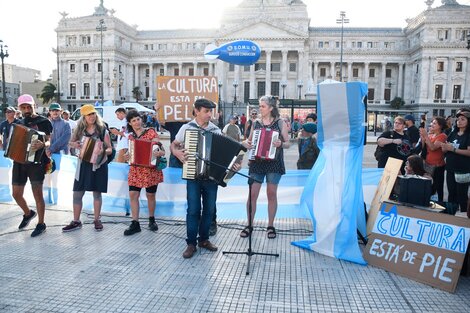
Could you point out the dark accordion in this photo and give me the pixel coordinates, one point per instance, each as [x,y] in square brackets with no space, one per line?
[141,152]
[263,144]
[19,144]
[210,155]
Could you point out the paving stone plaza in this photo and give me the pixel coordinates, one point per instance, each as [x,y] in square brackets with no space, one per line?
[89,271]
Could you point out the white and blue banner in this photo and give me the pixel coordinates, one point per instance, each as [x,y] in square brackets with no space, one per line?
[333,194]
[171,194]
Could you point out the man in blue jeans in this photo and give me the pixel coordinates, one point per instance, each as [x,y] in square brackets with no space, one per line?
[199,215]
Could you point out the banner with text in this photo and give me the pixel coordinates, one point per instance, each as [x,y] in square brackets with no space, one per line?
[176,95]
[423,245]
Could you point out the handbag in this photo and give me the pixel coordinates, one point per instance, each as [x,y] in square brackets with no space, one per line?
[462,178]
[161,163]
[49,166]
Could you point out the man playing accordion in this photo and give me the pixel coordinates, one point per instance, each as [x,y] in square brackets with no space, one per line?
[34,171]
[198,222]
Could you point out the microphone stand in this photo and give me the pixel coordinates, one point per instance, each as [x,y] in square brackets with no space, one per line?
[249,252]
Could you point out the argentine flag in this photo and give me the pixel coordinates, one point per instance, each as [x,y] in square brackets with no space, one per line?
[333,195]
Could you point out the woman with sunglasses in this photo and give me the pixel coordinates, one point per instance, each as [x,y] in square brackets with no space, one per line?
[90,176]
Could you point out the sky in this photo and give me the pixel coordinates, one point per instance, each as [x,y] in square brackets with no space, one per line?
[28,26]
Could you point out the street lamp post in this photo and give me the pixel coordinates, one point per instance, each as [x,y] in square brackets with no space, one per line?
[300,84]
[101,28]
[283,85]
[220,100]
[235,85]
[342,20]
[3,55]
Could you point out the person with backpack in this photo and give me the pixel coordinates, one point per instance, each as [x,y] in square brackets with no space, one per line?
[308,149]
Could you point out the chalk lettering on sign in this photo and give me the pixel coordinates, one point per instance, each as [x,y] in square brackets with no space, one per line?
[179,112]
[439,270]
[460,242]
[389,251]
[409,257]
[398,226]
[436,234]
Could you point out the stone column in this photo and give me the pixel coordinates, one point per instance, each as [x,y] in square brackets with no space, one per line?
[165,69]
[366,72]
[284,65]
[180,68]
[382,81]
[350,78]
[268,71]
[447,92]
[78,72]
[195,68]
[151,82]
[136,75]
[252,82]
[400,81]
[332,70]
[465,93]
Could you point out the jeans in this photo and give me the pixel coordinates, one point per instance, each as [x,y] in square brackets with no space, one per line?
[197,223]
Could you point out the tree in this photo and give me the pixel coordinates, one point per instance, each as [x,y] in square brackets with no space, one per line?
[137,93]
[397,103]
[48,93]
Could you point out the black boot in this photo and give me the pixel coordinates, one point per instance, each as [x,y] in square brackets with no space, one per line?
[133,228]
[152,224]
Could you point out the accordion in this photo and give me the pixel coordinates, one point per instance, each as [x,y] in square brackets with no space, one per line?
[263,147]
[91,150]
[141,152]
[19,144]
[209,156]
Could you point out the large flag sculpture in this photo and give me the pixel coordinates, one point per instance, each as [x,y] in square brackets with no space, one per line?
[333,193]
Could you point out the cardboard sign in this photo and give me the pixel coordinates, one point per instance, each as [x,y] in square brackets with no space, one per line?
[422,245]
[384,189]
[176,95]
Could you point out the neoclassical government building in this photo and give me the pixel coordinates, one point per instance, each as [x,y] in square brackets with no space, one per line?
[427,63]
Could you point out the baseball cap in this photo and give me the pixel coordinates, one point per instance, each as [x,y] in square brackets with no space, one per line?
[310,128]
[87,109]
[409,117]
[26,99]
[10,109]
[66,112]
[54,106]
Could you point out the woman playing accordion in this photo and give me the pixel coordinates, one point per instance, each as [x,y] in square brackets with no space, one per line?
[143,172]
[93,140]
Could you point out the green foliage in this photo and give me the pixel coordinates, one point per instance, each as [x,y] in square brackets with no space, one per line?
[48,93]
[137,93]
[397,103]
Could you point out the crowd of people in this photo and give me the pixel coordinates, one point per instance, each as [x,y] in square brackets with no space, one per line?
[440,151]
[433,151]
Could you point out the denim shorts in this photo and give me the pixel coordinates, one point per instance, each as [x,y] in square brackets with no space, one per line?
[271,178]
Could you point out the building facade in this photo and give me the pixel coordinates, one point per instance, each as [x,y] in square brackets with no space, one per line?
[426,63]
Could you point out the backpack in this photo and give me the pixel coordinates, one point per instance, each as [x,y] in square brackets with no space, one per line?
[379,151]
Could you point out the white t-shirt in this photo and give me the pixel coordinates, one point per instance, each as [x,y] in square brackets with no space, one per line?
[122,140]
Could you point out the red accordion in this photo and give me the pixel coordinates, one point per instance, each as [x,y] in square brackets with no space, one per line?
[263,144]
[141,152]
